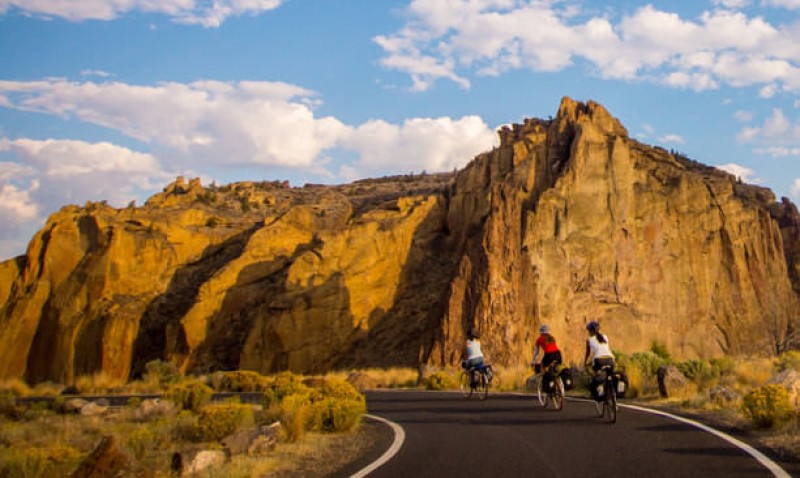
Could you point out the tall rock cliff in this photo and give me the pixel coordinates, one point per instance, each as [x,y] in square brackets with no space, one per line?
[568,220]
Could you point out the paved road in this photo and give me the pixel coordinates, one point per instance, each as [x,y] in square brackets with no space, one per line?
[509,435]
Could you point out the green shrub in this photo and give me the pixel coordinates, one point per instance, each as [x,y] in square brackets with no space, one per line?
[10,408]
[283,385]
[725,365]
[295,413]
[218,420]
[789,360]
[767,406]
[340,407]
[659,349]
[647,362]
[140,440]
[161,373]
[440,381]
[242,381]
[189,395]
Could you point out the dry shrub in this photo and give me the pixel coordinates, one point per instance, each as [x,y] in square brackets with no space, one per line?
[189,395]
[140,440]
[15,387]
[768,406]
[752,372]
[98,383]
[440,381]
[47,389]
[398,377]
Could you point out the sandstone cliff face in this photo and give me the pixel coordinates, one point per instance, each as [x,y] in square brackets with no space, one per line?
[569,220]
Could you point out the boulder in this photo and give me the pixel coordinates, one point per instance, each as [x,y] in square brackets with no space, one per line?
[154,407]
[670,380]
[93,409]
[191,462]
[254,441]
[106,461]
[791,380]
[73,405]
[723,396]
[362,381]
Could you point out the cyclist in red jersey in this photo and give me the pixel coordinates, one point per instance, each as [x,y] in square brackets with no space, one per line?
[547,344]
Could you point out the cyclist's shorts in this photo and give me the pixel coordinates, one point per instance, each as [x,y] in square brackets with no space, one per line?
[552,357]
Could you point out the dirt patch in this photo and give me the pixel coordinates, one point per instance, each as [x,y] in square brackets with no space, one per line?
[332,455]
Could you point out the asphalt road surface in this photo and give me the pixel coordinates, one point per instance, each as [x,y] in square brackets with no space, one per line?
[510,435]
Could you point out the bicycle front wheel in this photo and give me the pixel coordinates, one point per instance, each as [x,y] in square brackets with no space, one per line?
[464,384]
[558,394]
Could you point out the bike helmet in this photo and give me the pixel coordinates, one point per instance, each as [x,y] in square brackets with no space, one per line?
[593,326]
[544,329]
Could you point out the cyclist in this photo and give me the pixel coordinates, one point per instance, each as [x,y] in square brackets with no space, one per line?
[598,350]
[473,356]
[547,344]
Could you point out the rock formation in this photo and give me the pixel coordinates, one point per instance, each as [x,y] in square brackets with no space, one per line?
[568,220]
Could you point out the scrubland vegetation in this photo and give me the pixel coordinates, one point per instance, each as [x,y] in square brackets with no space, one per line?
[39,439]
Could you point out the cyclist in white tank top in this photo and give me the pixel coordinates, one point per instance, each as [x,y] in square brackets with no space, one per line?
[473,354]
[597,348]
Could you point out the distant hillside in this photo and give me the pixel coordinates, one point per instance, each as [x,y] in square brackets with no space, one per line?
[568,220]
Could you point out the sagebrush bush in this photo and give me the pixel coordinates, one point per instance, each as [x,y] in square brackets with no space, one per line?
[767,406]
[789,360]
[440,381]
[140,440]
[189,395]
[242,381]
[660,350]
[15,387]
[161,373]
[218,420]
[35,462]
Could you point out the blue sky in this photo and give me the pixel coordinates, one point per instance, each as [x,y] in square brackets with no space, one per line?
[112,99]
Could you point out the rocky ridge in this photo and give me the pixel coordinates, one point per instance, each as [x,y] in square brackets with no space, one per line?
[568,220]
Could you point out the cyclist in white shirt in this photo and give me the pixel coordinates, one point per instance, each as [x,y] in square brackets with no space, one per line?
[472,350]
[597,348]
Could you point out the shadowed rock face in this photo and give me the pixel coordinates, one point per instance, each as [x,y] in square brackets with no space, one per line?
[568,220]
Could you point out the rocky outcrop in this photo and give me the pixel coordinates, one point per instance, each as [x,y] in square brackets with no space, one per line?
[568,220]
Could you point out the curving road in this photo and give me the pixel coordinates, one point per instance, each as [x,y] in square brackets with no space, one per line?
[509,435]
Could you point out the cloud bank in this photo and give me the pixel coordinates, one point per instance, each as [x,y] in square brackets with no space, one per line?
[455,39]
[193,12]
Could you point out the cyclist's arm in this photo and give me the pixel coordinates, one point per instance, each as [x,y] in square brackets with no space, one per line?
[535,354]
[586,356]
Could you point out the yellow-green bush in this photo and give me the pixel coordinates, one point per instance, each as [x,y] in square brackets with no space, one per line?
[767,406]
[15,387]
[789,360]
[440,381]
[242,381]
[35,462]
[339,407]
[218,420]
[160,373]
[282,385]
[140,440]
[189,395]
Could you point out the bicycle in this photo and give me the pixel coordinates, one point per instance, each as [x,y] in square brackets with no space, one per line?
[605,398]
[476,380]
[549,386]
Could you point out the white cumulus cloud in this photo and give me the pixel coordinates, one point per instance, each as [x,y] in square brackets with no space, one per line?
[743,173]
[199,12]
[456,38]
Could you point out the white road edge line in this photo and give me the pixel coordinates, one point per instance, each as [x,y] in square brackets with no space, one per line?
[763,459]
[399,438]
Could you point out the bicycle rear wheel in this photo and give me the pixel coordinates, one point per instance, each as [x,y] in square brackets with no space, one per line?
[464,384]
[541,395]
[483,386]
[611,403]
[557,397]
